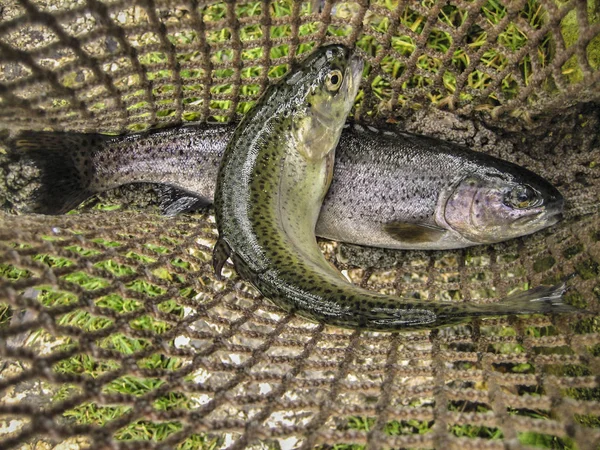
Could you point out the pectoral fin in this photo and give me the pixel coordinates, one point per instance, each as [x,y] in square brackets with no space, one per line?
[413,233]
[221,253]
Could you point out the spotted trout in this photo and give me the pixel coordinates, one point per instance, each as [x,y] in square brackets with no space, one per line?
[270,186]
[389,188]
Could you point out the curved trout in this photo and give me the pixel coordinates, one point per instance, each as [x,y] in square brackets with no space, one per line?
[271,182]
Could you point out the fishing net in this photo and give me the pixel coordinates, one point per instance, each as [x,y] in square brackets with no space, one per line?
[114,332]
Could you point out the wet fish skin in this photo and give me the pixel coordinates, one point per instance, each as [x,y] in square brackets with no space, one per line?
[72,167]
[270,186]
[429,194]
[387,191]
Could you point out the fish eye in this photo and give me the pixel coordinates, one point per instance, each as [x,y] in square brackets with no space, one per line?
[523,196]
[333,81]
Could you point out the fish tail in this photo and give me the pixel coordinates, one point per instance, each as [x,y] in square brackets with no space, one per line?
[336,302]
[53,171]
[539,300]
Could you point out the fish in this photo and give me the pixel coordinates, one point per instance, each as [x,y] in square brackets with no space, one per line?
[390,189]
[431,194]
[271,183]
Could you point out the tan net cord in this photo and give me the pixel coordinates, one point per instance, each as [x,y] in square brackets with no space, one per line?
[114,332]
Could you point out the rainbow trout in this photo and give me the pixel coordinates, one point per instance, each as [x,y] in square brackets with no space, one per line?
[389,189]
[271,183]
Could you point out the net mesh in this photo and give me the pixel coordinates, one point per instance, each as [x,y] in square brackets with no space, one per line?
[114,332]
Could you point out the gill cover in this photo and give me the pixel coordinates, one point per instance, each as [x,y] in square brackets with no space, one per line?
[487,209]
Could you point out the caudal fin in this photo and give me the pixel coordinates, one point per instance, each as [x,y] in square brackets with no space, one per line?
[539,300]
[50,173]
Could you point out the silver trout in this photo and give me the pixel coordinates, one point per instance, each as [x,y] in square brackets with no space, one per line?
[390,189]
[270,186]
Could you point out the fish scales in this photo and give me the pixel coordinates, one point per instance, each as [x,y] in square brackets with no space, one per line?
[187,158]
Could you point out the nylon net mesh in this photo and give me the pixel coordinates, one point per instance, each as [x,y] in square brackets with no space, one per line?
[114,332]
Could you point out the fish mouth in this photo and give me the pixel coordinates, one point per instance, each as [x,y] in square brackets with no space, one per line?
[544,216]
[355,66]
[542,219]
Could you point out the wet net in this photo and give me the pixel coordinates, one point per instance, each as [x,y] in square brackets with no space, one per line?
[114,332]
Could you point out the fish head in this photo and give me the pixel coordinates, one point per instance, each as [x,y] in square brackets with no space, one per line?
[320,95]
[501,204]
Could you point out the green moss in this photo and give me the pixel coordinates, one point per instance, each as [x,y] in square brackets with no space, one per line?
[178,262]
[545,441]
[171,307]
[593,49]
[84,320]
[159,361]
[585,394]
[150,324]
[588,269]
[82,251]
[5,314]
[544,264]
[574,298]
[172,400]
[124,344]
[142,258]
[392,428]
[538,332]
[593,53]
[587,325]
[13,273]
[86,281]
[51,298]
[569,252]
[157,248]
[144,287]
[144,430]
[132,385]
[85,364]
[567,370]
[475,431]
[570,31]
[106,243]
[118,270]
[90,413]
[118,303]
[588,420]
[200,441]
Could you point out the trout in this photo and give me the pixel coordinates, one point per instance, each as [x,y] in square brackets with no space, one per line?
[271,183]
[389,189]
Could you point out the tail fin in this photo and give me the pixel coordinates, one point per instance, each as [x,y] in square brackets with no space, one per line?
[50,173]
[539,300]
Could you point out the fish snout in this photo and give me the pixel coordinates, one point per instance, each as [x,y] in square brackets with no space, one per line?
[556,203]
[355,64]
[555,208]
